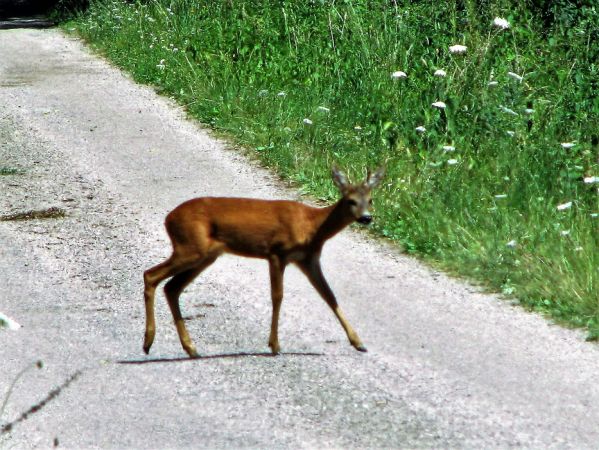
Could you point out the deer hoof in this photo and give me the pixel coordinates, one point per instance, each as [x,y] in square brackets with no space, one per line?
[275,349]
[147,346]
[361,348]
[148,341]
[192,352]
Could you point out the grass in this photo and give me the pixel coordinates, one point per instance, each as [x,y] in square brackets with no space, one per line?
[308,84]
[10,171]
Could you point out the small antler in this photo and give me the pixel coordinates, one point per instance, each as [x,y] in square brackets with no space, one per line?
[373,179]
[340,179]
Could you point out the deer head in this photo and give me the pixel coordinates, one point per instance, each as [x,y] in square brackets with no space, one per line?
[356,197]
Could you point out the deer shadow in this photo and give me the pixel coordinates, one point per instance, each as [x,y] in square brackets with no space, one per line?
[216,356]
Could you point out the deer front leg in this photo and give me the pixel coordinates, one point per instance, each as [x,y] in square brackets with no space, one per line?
[313,271]
[277,269]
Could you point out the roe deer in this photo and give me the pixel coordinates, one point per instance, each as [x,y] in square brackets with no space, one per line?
[279,231]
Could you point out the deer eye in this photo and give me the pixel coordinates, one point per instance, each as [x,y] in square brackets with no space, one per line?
[352,202]
[370,201]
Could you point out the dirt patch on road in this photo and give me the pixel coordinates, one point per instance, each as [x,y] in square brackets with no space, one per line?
[47,213]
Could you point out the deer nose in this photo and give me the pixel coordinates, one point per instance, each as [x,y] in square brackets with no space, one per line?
[365,219]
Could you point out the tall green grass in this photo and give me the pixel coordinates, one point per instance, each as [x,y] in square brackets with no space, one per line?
[477,190]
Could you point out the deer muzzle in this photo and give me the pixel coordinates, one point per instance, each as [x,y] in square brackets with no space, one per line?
[365,219]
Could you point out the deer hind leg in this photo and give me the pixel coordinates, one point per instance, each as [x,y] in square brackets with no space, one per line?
[314,273]
[152,278]
[172,291]
[277,269]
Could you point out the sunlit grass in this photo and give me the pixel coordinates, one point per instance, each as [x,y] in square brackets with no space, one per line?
[487,121]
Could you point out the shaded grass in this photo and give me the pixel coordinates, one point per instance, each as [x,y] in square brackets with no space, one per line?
[10,171]
[487,209]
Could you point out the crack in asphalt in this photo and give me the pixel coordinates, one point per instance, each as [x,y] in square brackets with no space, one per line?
[7,427]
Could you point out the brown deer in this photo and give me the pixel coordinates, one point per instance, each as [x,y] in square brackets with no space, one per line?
[279,231]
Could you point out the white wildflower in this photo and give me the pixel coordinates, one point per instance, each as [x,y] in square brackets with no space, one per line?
[510,133]
[591,180]
[492,83]
[307,121]
[594,215]
[161,65]
[398,75]
[281,94]
[324,109]
[452,162]
[440,73]
[515,76]
[511,244]
[498,196]
[507,110]
[458,49]
[449,148]
[501,23]
[567,145]
[578,249]
[564,206]
[420,129]
[262,93]
[440,105]
[529,111]
[358,128]
[564,232]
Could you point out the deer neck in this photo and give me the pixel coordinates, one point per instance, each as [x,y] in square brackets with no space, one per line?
[332,220]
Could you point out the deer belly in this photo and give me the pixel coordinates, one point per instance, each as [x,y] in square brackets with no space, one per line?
[248,242]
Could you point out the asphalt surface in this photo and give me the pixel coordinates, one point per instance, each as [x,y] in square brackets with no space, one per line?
[447,367]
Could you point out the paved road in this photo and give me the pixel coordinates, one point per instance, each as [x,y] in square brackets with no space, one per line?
[447,366]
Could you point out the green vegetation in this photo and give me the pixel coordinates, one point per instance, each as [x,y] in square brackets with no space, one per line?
[10,171]
[500,183]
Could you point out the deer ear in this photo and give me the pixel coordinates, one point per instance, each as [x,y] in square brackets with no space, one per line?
[339,179]
[373,179]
